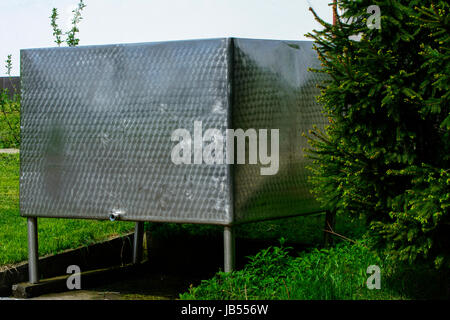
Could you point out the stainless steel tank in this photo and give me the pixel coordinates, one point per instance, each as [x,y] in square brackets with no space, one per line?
[97,122]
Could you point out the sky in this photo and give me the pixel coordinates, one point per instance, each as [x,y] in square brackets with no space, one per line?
[26,23]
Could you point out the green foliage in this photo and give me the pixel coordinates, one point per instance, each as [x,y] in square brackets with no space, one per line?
[420,226]
[10,121]
[338,273]
[385,153]
[71,38]
[57,32]
[8,65]
[9,114]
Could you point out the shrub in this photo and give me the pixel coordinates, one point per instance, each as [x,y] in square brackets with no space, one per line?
[385,153]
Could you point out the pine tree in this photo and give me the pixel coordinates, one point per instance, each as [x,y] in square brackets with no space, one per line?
[385,153]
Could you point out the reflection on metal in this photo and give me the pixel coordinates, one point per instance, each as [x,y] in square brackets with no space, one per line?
[33,256]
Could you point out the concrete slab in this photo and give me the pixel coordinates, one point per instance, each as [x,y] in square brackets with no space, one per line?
[113,252]
[80,295]
[59,284]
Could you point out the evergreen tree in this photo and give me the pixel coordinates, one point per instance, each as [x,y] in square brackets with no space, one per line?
[385,153]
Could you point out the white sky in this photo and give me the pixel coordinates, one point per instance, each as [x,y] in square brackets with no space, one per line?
[26,23]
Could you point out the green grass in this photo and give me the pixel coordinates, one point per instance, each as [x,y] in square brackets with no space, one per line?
[55,235]
[338,273]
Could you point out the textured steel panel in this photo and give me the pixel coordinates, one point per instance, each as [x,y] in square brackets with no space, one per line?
[97,121]
[96,128]
[272,88]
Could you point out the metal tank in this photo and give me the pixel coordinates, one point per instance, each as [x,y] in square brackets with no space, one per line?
[97,125]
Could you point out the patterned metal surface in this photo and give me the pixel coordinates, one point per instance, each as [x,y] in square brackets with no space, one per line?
[97,121]
[273,89]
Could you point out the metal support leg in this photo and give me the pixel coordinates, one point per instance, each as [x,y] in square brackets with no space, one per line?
[33,254]
[330,222]
[229,249]
[137,243]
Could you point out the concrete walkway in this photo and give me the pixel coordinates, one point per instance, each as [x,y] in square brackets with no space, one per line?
[74,295]
[9,151]
[80,295]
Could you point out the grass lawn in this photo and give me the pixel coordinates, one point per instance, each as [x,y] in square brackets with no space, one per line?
[55,235]
[337,273]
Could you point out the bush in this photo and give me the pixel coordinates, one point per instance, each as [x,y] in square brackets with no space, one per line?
[385,153]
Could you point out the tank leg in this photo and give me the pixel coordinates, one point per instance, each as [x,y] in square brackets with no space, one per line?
[137,242]
[33,254]
[229,249]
